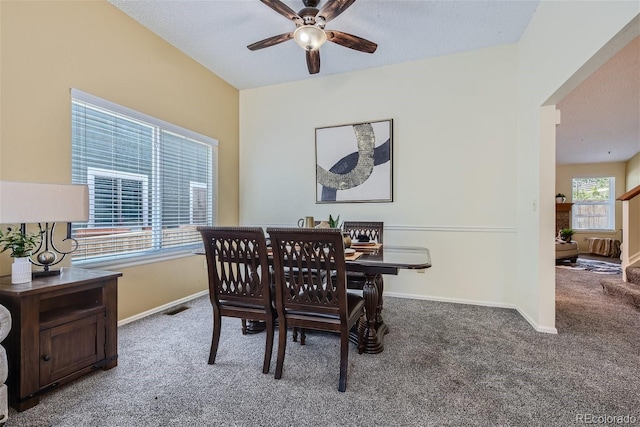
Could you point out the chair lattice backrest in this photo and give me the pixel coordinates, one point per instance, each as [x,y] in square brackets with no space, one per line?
[311,289]
[310,270]
[239,281]
[238,264]
[372,229]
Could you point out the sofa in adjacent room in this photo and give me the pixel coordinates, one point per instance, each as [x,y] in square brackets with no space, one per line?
[566,251]
[5,327]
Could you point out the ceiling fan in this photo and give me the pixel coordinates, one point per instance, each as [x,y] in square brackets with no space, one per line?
[310,33]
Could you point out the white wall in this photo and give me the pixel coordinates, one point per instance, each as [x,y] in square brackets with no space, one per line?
[454,164]
[560,39]
[474,156]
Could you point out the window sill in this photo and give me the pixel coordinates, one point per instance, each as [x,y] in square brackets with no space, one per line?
[134,261]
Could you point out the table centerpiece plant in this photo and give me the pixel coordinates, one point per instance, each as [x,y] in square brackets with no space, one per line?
[335,223]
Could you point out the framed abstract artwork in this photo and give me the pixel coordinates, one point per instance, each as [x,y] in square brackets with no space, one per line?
[354,162]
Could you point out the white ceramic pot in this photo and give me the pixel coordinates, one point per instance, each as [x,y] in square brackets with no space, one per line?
[20,270]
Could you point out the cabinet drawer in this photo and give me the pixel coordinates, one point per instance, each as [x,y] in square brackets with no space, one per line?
[69,347]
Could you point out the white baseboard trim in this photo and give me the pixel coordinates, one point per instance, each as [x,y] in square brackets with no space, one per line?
[634,259]
[543,329]
[453,300]
[162,307]
[546,330]
[538,328]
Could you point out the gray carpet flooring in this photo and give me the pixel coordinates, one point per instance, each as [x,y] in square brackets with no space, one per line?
[444,365]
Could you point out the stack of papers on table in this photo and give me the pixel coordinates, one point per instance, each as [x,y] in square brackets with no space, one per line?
[366,246]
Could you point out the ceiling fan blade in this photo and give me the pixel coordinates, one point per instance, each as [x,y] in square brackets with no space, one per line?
[351,41]
[313,61]
[333,8]
[270,41]
[283,10]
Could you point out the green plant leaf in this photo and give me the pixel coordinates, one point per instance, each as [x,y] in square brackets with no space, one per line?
[21,244]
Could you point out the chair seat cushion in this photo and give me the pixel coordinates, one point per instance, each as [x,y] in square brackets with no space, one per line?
[259,304]
[354,304]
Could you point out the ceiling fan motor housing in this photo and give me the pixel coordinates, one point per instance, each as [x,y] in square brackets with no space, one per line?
[308,15]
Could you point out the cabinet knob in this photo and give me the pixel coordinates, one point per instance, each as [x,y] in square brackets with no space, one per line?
[46,358]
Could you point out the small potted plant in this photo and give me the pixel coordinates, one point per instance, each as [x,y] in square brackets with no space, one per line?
[560,198]
[566,234]
[335,223]
[21,244]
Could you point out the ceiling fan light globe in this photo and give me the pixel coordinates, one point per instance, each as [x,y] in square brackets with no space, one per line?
[309,37]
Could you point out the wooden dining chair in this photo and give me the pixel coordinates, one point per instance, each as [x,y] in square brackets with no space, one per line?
[371,230]
[368,231]
[239,281]
[311,291]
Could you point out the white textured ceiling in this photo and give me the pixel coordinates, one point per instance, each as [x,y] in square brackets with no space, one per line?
[216,33]
[600,118]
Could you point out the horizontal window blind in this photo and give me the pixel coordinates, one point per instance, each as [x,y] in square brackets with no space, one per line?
[150,183]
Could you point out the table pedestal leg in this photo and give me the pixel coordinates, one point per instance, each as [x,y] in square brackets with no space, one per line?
[373,325]
[379,322]
[256,326]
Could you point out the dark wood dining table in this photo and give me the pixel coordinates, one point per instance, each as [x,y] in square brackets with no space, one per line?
[373,263]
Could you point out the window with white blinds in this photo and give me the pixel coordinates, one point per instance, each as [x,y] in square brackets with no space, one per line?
[150,183]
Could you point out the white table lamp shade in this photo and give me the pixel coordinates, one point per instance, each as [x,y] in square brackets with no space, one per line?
[25,202]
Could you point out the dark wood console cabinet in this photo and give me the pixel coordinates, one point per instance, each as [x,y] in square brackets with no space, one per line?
[64,326]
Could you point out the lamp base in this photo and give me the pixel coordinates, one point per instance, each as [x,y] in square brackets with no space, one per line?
[45,273]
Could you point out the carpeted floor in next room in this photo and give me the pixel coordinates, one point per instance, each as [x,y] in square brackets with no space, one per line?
[443,365]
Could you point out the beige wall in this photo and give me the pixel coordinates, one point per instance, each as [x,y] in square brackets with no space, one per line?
[633,180]
[564,177]
[633,173]
[49,47]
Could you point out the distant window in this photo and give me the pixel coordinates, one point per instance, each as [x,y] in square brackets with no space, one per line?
[150,183]
[593,203]
[198,203]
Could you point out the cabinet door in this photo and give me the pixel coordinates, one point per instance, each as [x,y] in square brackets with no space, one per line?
[70,347]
